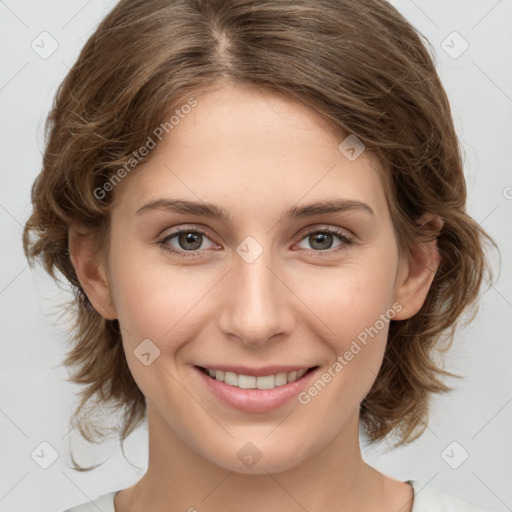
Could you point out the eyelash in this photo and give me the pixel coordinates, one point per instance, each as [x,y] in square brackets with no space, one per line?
[346,241]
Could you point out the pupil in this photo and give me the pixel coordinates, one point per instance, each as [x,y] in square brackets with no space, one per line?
[323,239]
[190,238]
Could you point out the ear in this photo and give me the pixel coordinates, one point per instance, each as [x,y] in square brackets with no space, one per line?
[90,270]
[416,275]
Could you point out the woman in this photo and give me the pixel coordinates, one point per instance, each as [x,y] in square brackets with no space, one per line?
[306,152]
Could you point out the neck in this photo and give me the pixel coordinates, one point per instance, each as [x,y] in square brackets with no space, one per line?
[335,477]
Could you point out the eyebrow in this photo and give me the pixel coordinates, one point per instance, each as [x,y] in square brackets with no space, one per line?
[212,211]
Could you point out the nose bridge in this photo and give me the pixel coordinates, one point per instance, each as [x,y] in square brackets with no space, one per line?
[256,306]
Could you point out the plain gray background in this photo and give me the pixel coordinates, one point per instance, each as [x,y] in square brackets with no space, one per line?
[474,421]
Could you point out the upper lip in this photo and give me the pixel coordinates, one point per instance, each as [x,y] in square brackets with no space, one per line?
[257,372]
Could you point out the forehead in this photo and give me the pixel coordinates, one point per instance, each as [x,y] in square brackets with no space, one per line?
[252,150]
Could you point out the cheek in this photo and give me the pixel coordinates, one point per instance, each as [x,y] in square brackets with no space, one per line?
[357,308]
[350,299]
[158,301]
[354,306]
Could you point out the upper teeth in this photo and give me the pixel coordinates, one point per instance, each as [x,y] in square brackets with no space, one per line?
[252,382]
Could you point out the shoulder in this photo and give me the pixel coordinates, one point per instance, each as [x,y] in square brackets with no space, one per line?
[428,499]
[104,503]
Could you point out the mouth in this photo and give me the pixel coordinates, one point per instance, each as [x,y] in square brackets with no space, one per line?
[257,379]
[255,390]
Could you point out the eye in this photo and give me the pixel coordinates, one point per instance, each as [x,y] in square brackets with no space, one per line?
[186,241]
[321,240]
[189,242]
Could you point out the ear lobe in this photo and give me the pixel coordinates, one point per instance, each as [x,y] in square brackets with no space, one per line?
[90,271]
[416,275]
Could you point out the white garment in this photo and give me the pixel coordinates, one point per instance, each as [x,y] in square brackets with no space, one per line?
[426,499]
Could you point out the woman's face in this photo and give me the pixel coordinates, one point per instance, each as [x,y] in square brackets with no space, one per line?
[276,285]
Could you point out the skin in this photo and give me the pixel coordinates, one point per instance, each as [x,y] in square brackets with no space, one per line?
[255,154]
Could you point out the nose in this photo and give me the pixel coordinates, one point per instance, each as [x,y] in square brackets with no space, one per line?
[257,304]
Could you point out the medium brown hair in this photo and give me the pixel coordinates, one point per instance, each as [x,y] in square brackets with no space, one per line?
[359,64]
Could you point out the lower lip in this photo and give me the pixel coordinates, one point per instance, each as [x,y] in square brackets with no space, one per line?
[255,400]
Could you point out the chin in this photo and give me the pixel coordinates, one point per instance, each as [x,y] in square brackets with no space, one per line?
[253,458]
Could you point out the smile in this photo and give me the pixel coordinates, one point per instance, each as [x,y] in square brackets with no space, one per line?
[255,382]
[255,389]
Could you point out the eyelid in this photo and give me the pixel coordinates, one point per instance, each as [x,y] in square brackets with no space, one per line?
[331,229]
[184,228]
[341,232]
